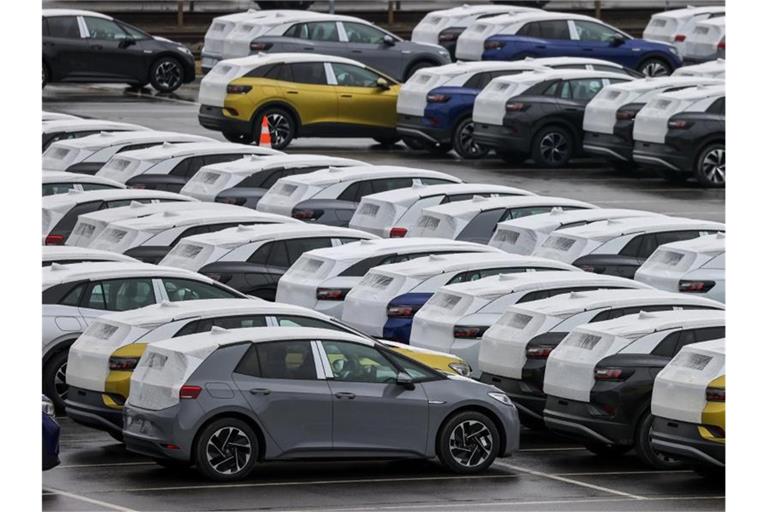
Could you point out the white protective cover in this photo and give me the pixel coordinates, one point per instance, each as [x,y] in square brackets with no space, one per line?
[701,43]
[212,179]
[56,116]
[571,365]
[651,122]
[378,213]
[75,178]
[680,389]
[219,29]
[430,26]
[600,113]
[79,125]
[238,41]
[213,86]
[671,262]
[470,44]
[709,69]
[526,234]
[64,253]
[664,26]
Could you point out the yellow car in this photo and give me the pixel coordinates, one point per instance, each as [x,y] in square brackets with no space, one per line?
[688,405]
[309,96]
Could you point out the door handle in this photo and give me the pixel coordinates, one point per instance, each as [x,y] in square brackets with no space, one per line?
[260,391]
[291,92]
[97,47]
[346,95]
[345,395]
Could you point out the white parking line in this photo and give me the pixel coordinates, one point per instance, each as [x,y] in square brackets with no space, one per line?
[88,500]
[628,473]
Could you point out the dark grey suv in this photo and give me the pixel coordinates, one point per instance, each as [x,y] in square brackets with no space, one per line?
[227,399]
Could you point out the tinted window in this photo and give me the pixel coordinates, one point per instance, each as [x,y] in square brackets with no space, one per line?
[530,30]
[94,186]
[516,213]
[262,71]
[305,321]
[385,184]
[591,31]
[675,236]
[63,26]
[366,34]
[209,228]
[280,72]
[298,30]
[309,73]
[351,362]
[100,28]
[50,189]
[322,31]
[69,220]
[668,346]
[131,147]
[553,30]
[474,275]
[299,246]
[187,289]
[120,294]
[583,89]
[640,246]
[240,322]
[718,107]
[545,294]
[482,225]
[436,181]
[284,360]
[355,191]
[73,297]
[354,76]
[478,81]
[709,333]
[271,253]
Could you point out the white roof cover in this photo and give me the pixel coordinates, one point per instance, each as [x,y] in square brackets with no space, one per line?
[106,139]
[77,125]
[57,274]
[74,12]
[712,68]
[651,121]
[73,177]
[671,262]
[479,204]
[612,228]
[66,201]
[443,263]
[66,252]
[330,176]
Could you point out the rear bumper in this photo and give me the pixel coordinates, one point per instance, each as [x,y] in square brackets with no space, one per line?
[213,118]
[608,146]
[418,127]
[572,418]
[529,399]
[151,432]
[398,329]
[682,441]
[661,156]
[500,138]
[87,408]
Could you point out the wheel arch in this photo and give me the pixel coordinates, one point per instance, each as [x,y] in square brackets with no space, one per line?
[239,415]
[482,410]
[61,344]
[157,57]
[655,55]
[282,104]
[558,122]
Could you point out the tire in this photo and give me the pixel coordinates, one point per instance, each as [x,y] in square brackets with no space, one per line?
[710,166]
[604,450]
[464,144]
[655,67]
[46,75]
[553,147]
[166,74]
[282,126]
[226,450]
[512,157]
[644,449]
[417,66]
[468,431]
[387,141]
[54,379]
[241,138]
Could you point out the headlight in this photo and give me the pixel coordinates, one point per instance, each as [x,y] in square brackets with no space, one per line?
[501,397]
[185,50]
[461,368]
[48,407]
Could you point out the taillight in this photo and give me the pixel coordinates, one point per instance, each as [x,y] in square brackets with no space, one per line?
[493,45]
[222,278]
[54,240]
[437,98]
[398,232]
[715,394]
[721,44]
[258,46]
[516,107]
[238,89]
[404,311]
[625,115]
[331,293]
[123,364]
[449,35]
[715,431]
[538,351]
[679,38]
[239,201]
[306,214]
[679,124]
[689,286]
[611,374]
[189,392]
[469,331]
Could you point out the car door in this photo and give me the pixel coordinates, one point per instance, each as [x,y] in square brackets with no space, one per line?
[371,412]
[288,394]
[366,43]
[113,53]
[599,41]
[269,261]
[362,102]
[311,94]
[559,40]
[108,295]
[321,37]
[64,46]
[574,96]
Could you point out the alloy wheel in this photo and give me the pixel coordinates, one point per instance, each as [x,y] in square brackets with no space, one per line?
[279,128]
[655,68]
[228,450]
[168,75]
[553,148]
[60,381]
[467,141]
[470,443]
[713,166]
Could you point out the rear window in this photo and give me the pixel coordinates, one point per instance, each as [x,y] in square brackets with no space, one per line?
[309,73]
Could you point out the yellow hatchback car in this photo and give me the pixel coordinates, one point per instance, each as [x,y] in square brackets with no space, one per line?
[309,96]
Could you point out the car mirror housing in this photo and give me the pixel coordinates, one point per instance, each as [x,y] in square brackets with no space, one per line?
[617,40]
[128,41]
[388,40]
[405,380]
[382,83]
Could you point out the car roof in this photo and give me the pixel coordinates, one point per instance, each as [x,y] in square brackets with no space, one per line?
[68,125]
[74,177]
[173,150]
[716,22]
[306,16]
[475,66]
[613,228]
[52,252]
[74,197]
[541,74]
[242,235]
[200,216]
[699,92]
[710,65]
[418,191]
[251,164]
[555,61]
[652,83]
[73,12]
[646,323]
[136,209]
[558,216]
[288,57]
[479,204]
[525,17]
[711,347]
[106,139]
[467,10]
[62,273]
[712,244]
[441,263]
[375,247]
[690,10]
[342,174]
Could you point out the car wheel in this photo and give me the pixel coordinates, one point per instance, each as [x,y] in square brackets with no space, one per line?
[655,67]
[605,450]
[242,138]
[468,442]
[512,157]
[710,166]
[46,74]
[166,74]
[553,147]
[55,379]
[644,449]
[226,450]
[282,127]
[464,143]
[417,66]
[387,141]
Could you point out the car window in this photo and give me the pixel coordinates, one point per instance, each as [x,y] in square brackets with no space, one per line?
[56,188]
[100,28]
[131,147]
[474,275]
[279,360]
[94,186]
[299,30]
[67,223]
[436,181]
[610,314]
[133,31]
[179,289]
[545,294]
[306,321]
[361,33]
[382,185]
[240,322]
[272,176]
[208,228]
[668,346]
[675,236]
[641,246]
[525,211]
[299,246]
[352,362]
[63,26]
[120,294]
[357,190]
[717,107]
[353,76]
[478,81]
[583,89]
[271,253]
[309,73]
[555,29]
[326,31]
[279,72]
[417,371]
[709,333]
[591,31]
[482,225]
[72,298]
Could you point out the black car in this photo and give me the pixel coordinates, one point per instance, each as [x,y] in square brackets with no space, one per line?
[545,121]
[87,47]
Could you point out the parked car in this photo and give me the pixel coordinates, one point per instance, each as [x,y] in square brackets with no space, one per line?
[51,432]
[706,41]
[682,134]
[64,255]
[383,303]
[87,155]
[455,318]
[169,166]
[619,246]
[688,407]
[56,182]
[676,25]
[599,379]
[609,116]
[396,416]
[64,129]
[74,295]
[526,234]
[475,220]
[695,267]
[556,34]
[56,116]
[393,213]
[330,196]
[60,211]
[538,116]
[150,238]
[514,350]
[709,69]
[320,279]
[243,182]
[253,258]
[88,47]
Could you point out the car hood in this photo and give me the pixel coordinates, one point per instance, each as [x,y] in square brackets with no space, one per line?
[422,47]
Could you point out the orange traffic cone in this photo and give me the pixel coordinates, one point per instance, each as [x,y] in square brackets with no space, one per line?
[265,140]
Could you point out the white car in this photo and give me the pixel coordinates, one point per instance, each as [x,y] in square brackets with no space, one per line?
[383,303]
[62,129]
[56,182]
[710,69]
[676,25]
[253,258]
[455,318]
[60,211]
[320,279]
[514,350]
[245,181]
[345,184]
[75,295]
[88,154]
[705,42]
[620,246]
[63,254]
[526,234]
[395,212]
[56,116]
[169,166]
[475,220]
[150,238]
[695,267]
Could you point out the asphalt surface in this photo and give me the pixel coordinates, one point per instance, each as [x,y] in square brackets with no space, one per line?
[548,473]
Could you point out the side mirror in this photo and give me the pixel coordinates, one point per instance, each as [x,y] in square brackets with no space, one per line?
[382,84]
[388,40]
[405,380]
[128,41]
[617,40]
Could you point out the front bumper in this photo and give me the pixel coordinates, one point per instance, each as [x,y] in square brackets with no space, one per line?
[683,441]
[608,146]
[529,399]
[88,408]
[661,156]
[213,118]
[420,128]
[501,138]
[572,418]
[51,431]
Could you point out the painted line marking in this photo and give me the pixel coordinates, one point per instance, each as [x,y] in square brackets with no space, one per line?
[88,500]
[628,473]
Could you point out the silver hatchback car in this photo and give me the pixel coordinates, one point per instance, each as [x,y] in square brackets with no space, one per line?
[227,399]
